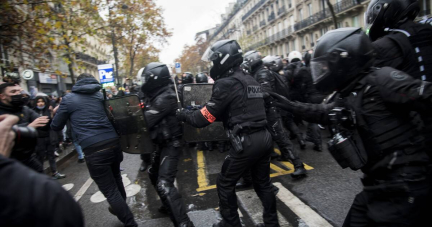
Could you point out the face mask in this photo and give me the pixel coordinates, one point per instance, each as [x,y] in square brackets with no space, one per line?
[17,100]
[40,107]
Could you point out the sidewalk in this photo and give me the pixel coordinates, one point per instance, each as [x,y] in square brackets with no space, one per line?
[64,156]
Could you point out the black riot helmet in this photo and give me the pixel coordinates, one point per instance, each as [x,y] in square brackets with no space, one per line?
[340,56]
[201,78]
[187,78]
[224,56]
[252,60]
[383,14]
[155,76]
[274,63]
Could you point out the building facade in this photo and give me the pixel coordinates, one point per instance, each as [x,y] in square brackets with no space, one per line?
[277,27]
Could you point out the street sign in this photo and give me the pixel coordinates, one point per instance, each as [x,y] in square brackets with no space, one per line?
[178,67]
[106,73]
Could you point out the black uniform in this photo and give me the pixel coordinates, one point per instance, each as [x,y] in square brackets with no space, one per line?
[267,79]
[26,116]
[166,133]
[409,49]
[302,89]
[397,175]
[238,100]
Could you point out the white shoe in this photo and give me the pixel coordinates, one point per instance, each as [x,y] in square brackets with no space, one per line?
[56,154]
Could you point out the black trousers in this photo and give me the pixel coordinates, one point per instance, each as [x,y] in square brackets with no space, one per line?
[162,174]
[44,149]
[103,163]
[313,134]
[32,162]
[400,202]
[279,135]
[256,153]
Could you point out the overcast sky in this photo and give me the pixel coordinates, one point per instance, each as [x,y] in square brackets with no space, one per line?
[185,18]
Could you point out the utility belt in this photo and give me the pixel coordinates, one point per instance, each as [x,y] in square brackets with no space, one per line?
[236,133]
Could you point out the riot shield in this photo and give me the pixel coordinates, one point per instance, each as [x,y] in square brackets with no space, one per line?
[127,115]
[195,96]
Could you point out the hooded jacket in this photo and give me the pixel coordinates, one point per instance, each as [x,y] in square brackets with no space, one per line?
[43,131]
[84,108]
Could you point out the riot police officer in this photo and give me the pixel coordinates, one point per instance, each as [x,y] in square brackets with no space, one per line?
[303,90]
[238,101]
[402,43]
[271,81]
[201,78]
[374,129]
[166,134]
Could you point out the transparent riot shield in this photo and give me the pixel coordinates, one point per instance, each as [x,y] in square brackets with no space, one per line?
[127,115]
[195,96]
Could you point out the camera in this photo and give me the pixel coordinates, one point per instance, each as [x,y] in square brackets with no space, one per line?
[25,139]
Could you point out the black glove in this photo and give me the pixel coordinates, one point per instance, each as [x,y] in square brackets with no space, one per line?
[181,114]
[281,102]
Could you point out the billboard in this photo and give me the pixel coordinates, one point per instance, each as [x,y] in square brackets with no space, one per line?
[106,73]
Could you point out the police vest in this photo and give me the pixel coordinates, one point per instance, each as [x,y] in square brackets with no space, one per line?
[251,108]
[386,132]
[417,49]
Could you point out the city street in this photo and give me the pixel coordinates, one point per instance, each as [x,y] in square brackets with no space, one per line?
[321,199]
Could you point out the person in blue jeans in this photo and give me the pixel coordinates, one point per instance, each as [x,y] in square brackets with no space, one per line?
[92,130]
[80,152]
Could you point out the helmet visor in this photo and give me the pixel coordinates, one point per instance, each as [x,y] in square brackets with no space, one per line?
[319,69]
[209,55]
[371,15]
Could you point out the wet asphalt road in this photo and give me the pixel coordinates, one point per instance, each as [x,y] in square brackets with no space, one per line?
[327,191]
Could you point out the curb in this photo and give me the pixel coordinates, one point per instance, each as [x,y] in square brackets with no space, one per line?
[69,153]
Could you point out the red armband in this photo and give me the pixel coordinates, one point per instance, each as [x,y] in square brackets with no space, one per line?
[210,118]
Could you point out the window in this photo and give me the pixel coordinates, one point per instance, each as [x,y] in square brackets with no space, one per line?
[347,24]
[270,32]
[289,4]
[310,9]
[292,22]
[287,48]
[280,26]
[356,21]
[286,23]
[301,14]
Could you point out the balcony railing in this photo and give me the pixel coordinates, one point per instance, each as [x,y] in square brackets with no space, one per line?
[281,11]
[262,23]
[254,8]
[271,17]
[255,28]
[323,14]
[87,58]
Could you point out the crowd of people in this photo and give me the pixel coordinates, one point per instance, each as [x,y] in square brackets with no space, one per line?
[372,91]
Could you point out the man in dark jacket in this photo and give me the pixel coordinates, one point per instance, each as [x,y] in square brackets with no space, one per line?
[93,131]
[44,144]
[29,198]
[11,102]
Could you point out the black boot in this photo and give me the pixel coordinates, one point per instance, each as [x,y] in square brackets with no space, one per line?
[144,166]
[222,223]
[186,224]
[210,146]
[302,143]
[317,147]
[299,172]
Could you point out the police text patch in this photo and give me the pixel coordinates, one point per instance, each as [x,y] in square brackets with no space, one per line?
[254,92]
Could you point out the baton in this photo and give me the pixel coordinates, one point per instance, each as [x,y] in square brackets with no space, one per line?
[179,106]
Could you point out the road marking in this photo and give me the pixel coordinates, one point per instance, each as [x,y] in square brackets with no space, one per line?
[250,202]
[309,216]
[203,182]
[68,187]
[201,171]
[83,189]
